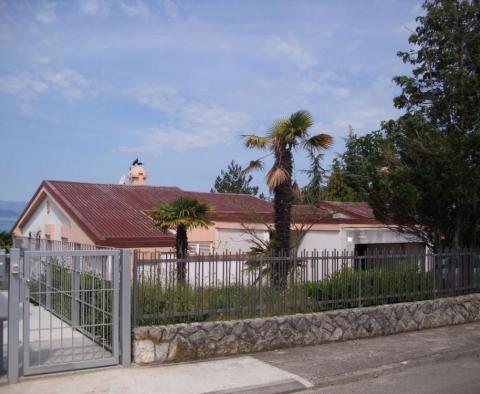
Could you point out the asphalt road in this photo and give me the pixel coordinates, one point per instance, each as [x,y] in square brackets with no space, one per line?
[441,360]
[458,376]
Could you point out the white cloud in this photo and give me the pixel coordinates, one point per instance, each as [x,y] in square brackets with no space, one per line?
[42,60]
[134,8]
[160,98]
[94,7]
[46,13]
[291,50]
[170,8]
[324,83]
[23,85]
[69,83]
[364,110]
[187,124]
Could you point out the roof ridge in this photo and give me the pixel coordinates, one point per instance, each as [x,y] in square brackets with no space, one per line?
[110,184]
[228,193]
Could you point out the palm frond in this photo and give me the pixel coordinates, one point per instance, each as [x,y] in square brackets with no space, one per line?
[279,129]
[276,176]
[253,165]
[301,121]
[186,211]
[253,141]
[319,141]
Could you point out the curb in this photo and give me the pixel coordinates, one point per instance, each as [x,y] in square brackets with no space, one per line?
[280,387]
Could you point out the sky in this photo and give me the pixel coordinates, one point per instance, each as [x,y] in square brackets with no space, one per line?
[87,86]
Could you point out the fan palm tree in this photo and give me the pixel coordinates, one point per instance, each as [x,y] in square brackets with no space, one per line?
[181,214]
[286,135]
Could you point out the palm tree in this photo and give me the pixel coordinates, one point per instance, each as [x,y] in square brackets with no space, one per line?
[286,135]
[181,214]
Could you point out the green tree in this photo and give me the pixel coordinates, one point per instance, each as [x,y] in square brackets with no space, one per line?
[431,185]
[181,214]
[357,171]
[337,189]
[234,180]
[287,135]
[352,171]
[5,240]
[314,190]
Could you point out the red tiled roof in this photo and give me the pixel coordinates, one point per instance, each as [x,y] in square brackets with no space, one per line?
[115,215]
[360,209]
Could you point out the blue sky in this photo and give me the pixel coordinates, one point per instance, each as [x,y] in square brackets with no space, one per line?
[87,86]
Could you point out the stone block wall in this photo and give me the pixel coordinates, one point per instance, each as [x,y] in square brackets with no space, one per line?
[180,342]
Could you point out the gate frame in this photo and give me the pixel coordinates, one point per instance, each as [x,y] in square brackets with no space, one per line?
[121,346]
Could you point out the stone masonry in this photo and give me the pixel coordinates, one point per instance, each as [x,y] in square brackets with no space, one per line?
[180,342]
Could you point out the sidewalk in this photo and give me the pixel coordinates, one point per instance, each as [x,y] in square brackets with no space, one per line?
[289,370]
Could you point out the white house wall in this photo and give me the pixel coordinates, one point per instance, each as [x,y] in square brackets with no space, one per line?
[237,239]
[42,216]
[52,217]
[320,240]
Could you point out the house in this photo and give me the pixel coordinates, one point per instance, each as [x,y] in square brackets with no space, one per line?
[115,215]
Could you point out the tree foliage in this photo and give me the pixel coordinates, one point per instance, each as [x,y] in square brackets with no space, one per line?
[5,240]
[234,180]
[351,174]
[314,190]
[181,214]
[422,172]
[337,189]
[432,188]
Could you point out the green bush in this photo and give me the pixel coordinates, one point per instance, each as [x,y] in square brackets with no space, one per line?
[348,288]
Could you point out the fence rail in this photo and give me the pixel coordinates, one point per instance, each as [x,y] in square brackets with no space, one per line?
[35,243]
[167,290]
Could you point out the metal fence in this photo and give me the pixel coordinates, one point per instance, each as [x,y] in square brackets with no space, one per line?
[35,243]
[167,290]
[69,307]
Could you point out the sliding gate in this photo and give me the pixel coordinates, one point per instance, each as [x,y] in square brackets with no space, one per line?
[74,307]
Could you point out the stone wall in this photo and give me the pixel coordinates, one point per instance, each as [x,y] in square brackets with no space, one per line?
[181,342]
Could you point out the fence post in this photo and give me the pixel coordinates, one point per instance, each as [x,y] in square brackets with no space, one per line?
[48,286]
[75,290]
[13,315]
[360,269]
[3,267]
[260,283]
[135,289]
[125,310]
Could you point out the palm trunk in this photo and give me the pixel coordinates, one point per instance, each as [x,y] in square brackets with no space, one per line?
[181,244]
[282,203]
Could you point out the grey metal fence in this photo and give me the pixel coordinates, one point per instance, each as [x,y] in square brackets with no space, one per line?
[35,243]
[74,305]
[167,290]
